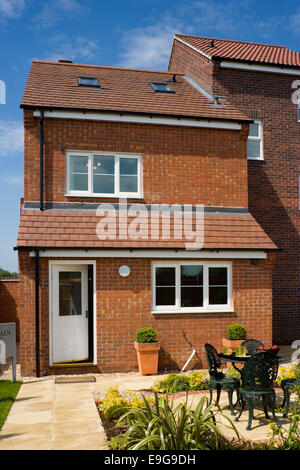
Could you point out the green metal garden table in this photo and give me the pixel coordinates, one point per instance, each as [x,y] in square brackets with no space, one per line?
[239,360]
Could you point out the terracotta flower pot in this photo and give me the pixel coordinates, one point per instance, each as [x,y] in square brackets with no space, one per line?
[147,355]
[231,344]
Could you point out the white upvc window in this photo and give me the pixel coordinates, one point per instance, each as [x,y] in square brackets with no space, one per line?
[191,287]
[255,141]
[103,174]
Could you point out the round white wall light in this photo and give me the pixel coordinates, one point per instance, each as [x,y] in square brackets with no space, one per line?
[124,270]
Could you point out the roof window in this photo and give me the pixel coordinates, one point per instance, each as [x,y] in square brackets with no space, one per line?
[161,87]
[88,81]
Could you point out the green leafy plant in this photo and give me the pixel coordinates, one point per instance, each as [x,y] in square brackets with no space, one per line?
[236,331]
[114,403]
[146,335]
[163,426]
[174,383]
[198,381]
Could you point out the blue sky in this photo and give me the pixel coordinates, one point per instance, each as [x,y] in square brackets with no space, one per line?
[131,33]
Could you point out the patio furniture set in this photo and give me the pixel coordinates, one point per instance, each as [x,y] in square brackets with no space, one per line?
[257,379]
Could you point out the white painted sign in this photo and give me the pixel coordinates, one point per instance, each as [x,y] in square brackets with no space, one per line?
[8,345]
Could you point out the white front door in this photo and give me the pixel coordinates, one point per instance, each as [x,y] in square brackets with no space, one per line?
[70,313]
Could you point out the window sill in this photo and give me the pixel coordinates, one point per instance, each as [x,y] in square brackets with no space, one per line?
[256,159]
[111,196]
[192,311]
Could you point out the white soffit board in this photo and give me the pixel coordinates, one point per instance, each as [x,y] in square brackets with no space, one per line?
[127,253]
[123,117]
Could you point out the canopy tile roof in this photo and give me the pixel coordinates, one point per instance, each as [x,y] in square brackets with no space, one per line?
[67,229]
[55,85]
[243,51]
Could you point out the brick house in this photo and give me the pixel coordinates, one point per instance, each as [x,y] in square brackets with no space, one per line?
[259,80]
[92,270]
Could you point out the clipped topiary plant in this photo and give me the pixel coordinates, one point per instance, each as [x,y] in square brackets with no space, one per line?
[146,335]
[236,331]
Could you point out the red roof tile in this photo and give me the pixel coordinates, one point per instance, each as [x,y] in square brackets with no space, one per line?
[78,229]
[54,85]
[243,51]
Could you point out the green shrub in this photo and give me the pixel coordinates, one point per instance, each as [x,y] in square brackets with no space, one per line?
[146,335]
[198,381]
[236,331]
[173,383]
[164,426]
[115,403]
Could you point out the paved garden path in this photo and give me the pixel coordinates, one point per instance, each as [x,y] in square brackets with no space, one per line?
[46,415]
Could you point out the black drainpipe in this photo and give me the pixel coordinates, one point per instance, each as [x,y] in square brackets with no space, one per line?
[41,159]
[37,313]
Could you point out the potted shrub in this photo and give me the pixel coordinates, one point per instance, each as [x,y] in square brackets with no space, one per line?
[236,334]
[147,349]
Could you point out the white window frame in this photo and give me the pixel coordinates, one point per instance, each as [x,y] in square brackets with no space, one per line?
[117,193]
[206,308]
[259,139]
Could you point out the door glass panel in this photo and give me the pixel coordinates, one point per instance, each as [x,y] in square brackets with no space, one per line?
[70,293]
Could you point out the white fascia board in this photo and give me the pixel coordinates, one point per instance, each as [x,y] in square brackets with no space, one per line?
[127,253]
[123,117]
[259,68]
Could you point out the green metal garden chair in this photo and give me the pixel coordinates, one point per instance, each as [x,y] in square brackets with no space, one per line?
[218,380]
[258,376]
[251,345]
[287,385]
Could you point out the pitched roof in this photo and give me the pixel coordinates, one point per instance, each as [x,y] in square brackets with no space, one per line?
[67,229]
[55,85]
[243,51]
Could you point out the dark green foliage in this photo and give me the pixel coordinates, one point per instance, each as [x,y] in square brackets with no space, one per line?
[146,335]
[4,273]
[236,331]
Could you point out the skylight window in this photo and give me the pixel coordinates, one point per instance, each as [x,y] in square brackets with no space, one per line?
[161,87]
[89,81]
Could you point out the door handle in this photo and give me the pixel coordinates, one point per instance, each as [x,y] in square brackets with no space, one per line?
[86,314]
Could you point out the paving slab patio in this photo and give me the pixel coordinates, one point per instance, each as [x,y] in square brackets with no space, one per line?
[46,415]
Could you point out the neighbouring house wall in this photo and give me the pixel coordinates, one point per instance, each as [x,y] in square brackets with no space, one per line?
[183,165]
[186,60]
[9,302]
[124,305]
[273,182]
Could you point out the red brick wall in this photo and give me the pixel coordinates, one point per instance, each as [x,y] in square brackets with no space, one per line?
[124,305]
[9,300]
[184,59]
[180,165]
[274,182]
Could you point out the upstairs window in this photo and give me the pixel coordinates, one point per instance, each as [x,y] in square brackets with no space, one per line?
[254,144]
[106,175]
[161,87]
[88,81]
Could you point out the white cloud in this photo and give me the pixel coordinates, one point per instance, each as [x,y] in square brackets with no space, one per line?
[11,8]
[54,11]
[294,23]
[63,47]
[11,138]
[147,47]
[14,180]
